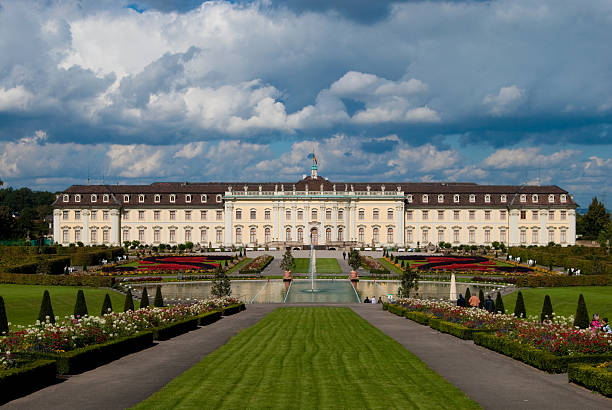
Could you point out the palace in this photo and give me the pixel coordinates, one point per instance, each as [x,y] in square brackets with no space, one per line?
[314,211]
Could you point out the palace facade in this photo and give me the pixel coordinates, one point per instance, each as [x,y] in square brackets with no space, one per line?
[314,210]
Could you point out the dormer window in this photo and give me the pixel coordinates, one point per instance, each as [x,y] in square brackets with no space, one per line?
[472,198]
[66,198]
[188,198]
[219,197]
[157,198]
[203,198]
[503,198]
[105,198]
[456,198]
[141,198]
[126,198]
[172,198]
[440,198]
[409,197]
[563,198]
[77,198]
[551,199]
[534,198]
[523,198]
[94,198]
[425,198]
[487,198]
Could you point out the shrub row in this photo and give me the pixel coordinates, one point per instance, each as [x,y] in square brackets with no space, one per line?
[455,329]
[90,357]
[52,266]
[254,267]
[534,357]
[171,330]
[556,281]
[397,310]
[233,309]
[61,280]
[209,317]
[22,380]
[591,377]
[419,317]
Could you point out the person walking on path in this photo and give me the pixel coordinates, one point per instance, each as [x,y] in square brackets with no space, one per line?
[461,301]
[474,301]
[344,255]
[489,305]
[366,300]
[373,300]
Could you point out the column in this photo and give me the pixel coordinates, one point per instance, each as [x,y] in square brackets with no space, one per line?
[293,222]
[335,217]
[353,207]
[571,232]
[543,231]
[56,226]
[400,229]
[276,220]
[513,231]
[85,236]
[115,238]
[229,234]
[306,219]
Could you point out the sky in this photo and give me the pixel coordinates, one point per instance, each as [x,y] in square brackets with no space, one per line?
[493,92]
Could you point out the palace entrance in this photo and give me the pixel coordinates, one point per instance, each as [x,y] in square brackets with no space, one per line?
[314,236]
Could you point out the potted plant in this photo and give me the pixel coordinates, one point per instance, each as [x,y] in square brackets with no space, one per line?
[287,264]
[354,262]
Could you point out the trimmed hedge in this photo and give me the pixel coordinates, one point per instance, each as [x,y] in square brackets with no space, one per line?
[60,280]
[55,266]
[233,309]
[209,317]
[455,329]
[174,329]
[540,359]
[529,281]
[397,310]
[89,357]
[19,381]
[419,317]
[593,378]
[247,270]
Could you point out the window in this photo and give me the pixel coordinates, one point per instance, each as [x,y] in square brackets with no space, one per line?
[253,214]
[105,215]
[551,236]
[126,198]
[94,198]
[188,235]
[94,215]
[219,235]
[523,214]
[487,198]
[288,234]
[126,235]
[77,235]
[252,235]
[340,213]
[551,200]
[65,235]
[563,236]
[523,198]
[487,215]
[238,214]
[203,235]
[300,215]
[141,235]
[472,215]
[105,198]
[409,215]
[472,235]
[425,198]
[188,198]
[105,236]
[375,214]
[188,215]
[94,236]
[502,215]
[487,233]
[157,198]
[288,215]
[534,215]
[425,236]
[203,198]
[203,215]
[389,214]
[440,235]
[313,214]
[523,235]
[126,215]
[328,237]
[440,198]
[340,234]
[440,215]
[389,235]
[267,214]
[563,198]
[66,198]
[563,215]
[361,234]
[219,198]
[172,235]
[456,215]
[456,198]
[141,215]
[141,198]
[472,198]
[172,198]
[375,235]
[425,215]
[409,197]
[300,235]
[156,235]
[551,215]
[409,235]
[502,235]
[238,235]
[456,235]
[219,215]
[534,198]
[77,198]
[156,215]
[328,214]
[172,215]
[267,235]
[503,198]
[534,236]
[65,215]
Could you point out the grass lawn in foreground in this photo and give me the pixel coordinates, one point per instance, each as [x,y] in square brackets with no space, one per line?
[324,265]
[312,357]
[565,300]
[22,302]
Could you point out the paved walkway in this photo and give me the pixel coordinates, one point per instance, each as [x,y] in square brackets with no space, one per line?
[493,380]
[133,378]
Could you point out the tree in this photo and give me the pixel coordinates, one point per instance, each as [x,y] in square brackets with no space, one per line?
[189,245]
[468,295]
[7,222]
[4,328]
[592,223]
[129,301]
[605,237]
[519,308]
[80,307]
[221,285]
[159,299]
[408,282]
[107,306]
[46,310]
[499,304]
[482,299]
[354,260]
[287,262]
[144,298]
[547,310]
[581,319]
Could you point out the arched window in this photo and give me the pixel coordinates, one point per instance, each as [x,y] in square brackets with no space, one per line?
[361,235]
[141,198]
[390,214]
[375,214]
[188,198]
[472,198]
[253,214]
[238,235]
[361,214]
[340,234]
[425,198]
[456,198]
[253,235]
[157,198]
[267,235]
[94,197]
[440,198]
[300,235]
[487,198]
[534,198]
[328,237]
[172,198]
[375,235]
[288,234]
[390,235]
[267,214]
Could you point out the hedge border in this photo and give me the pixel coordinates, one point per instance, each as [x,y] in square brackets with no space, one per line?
[173,329]
[454,329]
[89,357]
[18,382]
[397,310]
[256,271]
[419,317]
[209,317]
[59,280]
[599,380]
[233,309]
[534,357]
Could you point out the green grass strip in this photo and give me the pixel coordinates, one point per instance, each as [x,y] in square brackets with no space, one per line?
[324,265]
[313,357]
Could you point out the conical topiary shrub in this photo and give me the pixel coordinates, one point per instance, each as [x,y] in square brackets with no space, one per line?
[547,309]
[481,297]
[519,308]
[3,320]
[80,307]
[159,299]
[582,315]
[107,306]
[46,310]
[468,295]
[499,304]
[144,298]
[129,301]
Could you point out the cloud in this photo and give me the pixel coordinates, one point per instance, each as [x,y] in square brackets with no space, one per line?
[506,101]
[532,157]
[16,98]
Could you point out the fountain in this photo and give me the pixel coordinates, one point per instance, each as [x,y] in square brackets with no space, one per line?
[313,268]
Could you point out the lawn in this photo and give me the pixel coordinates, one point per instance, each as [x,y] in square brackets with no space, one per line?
[22,302]
[565,300]
[324,265]
[315,357]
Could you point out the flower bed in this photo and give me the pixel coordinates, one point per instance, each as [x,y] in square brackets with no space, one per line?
[461,263]
[168,331]
[595,377]
[374,266]
[21,377]
[172,265]
[257,265]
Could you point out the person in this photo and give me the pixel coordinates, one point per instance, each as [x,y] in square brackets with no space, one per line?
[489,305]
[380,299]
[474,301]
[605,326]
[344,255]
[595,324]
[373,299]
[366,300]
[461,301]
